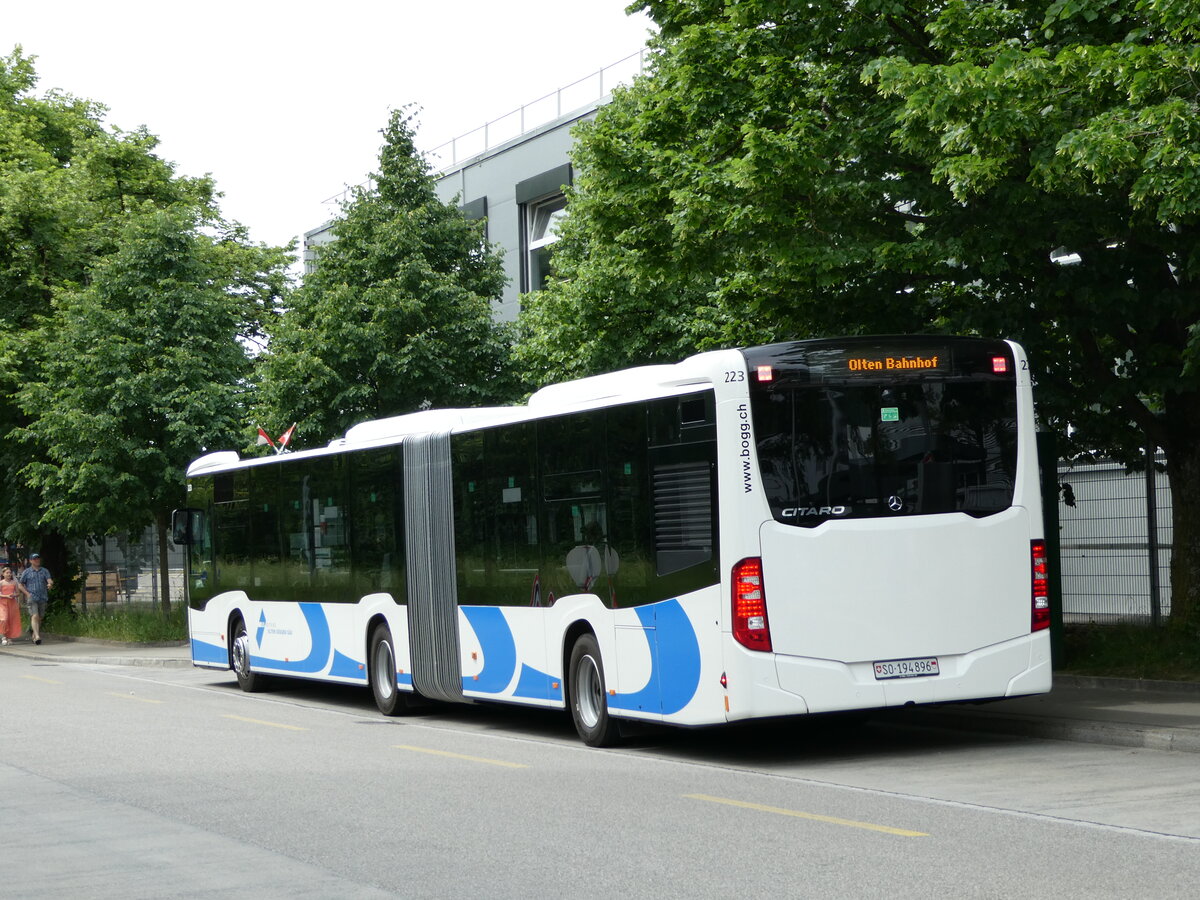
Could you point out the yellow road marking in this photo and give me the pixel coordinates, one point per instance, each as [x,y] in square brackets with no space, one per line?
[131,697]
[478,759]
[43,680]
[262,722]
[850,823]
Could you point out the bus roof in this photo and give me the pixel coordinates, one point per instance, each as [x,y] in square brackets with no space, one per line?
[641,383]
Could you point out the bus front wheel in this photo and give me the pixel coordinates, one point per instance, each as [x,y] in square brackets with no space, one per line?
[382,655]
[239,657]
[588,697]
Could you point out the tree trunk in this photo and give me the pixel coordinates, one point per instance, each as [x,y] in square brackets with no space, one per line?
[1183,469]
[164,574]
[53,549]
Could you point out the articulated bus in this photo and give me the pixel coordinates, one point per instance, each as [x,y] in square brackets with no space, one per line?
[773,531]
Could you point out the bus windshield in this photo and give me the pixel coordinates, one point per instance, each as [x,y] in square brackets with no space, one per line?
[839,438]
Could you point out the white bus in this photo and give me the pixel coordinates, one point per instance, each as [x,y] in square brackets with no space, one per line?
[774,531]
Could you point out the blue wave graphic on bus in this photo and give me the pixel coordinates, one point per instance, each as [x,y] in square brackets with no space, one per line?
[674,661]
[671,640]
[345,667]
[318,656]
[204,652]
[498,646]
[535,685]
[500,659]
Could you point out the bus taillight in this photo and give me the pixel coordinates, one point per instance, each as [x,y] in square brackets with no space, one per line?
[1041,587]
[750,628]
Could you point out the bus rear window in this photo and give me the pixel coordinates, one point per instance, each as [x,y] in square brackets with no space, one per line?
[833,449]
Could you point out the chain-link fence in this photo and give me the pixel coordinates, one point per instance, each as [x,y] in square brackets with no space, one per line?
[1115,545]
[124,568]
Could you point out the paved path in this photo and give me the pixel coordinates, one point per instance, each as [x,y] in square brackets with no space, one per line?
[1157,715]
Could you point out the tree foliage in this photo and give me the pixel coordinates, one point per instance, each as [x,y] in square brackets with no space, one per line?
[1021,169]
[126,294]
[397,314]
[144,371]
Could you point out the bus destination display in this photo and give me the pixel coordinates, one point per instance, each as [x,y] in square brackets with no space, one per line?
[893,363]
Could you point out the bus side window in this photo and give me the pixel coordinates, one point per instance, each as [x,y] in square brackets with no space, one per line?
[200,564]
[376,542]
[475,552]
[264,535]
[510,460]
[575,515]
[682,458]
[631,562]
[231,530]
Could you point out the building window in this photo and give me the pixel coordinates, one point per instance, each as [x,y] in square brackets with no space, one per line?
[476,210]
[542,219]
[543,207]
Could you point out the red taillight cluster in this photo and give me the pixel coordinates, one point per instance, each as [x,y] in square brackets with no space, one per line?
[1041,587]
[750,627]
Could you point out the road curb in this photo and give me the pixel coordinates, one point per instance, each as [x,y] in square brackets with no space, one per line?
[1088,731]
[106,642]
[145,661]
[1104,682]
[161,662]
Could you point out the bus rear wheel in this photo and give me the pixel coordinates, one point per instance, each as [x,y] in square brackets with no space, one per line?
[382,663]
[588,696]
[239,657]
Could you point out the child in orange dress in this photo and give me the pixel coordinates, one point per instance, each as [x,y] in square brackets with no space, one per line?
[10,611]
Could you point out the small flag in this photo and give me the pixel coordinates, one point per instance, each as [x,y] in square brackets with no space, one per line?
[285,438]
[264,438]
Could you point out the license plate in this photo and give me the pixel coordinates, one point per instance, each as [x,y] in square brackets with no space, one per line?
[906,668]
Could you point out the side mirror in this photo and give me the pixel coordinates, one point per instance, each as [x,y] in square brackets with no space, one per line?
[182,521]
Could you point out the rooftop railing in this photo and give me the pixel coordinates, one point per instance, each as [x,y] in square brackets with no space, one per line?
[528,116]
[535,113]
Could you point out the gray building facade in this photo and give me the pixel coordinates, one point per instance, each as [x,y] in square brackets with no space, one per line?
[513,171]
[518,187]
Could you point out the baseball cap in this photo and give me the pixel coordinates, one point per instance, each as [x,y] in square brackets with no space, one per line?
[35,556]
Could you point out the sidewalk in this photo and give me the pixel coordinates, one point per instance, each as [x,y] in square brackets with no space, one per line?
[111,653]
[1156,715]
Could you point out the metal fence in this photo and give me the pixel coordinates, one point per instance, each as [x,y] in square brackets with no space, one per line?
[124,568]
[1115,543]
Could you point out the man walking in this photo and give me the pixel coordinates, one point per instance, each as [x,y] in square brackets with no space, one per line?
[37,582]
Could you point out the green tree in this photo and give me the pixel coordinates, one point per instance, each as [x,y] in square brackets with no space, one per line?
[144,368]
[1026,169]
[119,279]
[397,315]
[742,190]
[1072,129]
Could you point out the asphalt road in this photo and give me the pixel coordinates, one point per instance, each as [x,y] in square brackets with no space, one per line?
[171,783]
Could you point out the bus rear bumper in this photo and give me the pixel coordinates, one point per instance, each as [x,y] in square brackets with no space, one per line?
[1012,668]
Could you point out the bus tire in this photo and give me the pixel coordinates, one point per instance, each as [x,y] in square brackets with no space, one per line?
[588,696]
[382,673]
[239,659]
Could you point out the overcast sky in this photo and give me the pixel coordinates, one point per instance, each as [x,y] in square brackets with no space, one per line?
[283,102]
